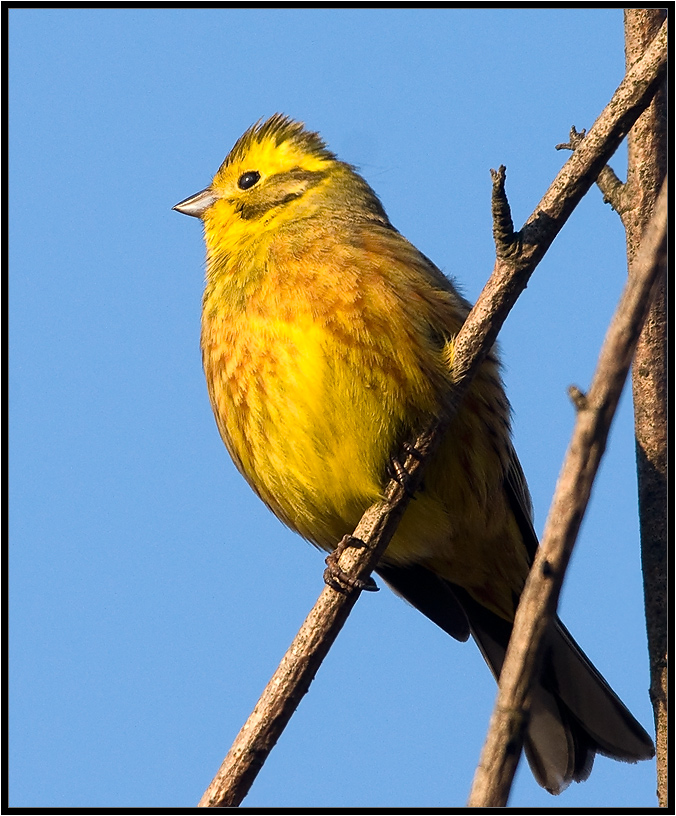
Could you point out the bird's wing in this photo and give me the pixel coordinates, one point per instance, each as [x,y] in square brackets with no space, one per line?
[430,594]
[520,502]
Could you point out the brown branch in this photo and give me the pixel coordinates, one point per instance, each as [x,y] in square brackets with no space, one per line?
[614,191]
[299,665]
[646,168]
[537,607]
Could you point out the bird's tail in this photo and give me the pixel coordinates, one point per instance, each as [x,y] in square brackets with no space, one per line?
[574,713]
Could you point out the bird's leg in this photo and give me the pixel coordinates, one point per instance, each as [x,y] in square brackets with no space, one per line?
[339,580]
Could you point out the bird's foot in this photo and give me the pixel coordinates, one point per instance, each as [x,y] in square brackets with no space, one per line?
[337,579]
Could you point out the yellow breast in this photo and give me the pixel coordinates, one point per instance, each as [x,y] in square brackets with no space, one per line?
[315,385]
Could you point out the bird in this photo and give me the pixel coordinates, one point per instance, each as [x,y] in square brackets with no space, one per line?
[327,342]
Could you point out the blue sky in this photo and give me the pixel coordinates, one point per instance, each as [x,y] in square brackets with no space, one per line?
[151,593]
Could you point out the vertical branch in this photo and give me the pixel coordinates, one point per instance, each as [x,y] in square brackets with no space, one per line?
[647,163]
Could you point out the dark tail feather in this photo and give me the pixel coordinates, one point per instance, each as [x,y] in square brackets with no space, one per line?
[589,698]
[574,712]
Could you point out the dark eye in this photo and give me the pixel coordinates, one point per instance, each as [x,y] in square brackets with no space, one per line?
[248,179]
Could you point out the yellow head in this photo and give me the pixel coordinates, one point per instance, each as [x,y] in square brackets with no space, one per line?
[277,174]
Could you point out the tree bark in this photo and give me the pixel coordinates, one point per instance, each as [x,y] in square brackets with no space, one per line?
[647,165]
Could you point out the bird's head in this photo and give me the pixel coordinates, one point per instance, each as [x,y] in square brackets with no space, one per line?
[277,173]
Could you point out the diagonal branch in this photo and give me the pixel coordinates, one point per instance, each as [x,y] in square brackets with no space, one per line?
[539,599]
[299,665]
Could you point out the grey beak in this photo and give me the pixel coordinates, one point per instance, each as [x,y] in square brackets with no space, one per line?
[197,204]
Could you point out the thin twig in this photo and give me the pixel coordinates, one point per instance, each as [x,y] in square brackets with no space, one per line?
[608,183]
[299,665]
[537,608]
[614,191]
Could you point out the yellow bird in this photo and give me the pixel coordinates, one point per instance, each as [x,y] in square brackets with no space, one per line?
[327,340]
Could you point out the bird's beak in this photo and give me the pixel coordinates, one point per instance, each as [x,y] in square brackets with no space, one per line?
[197,204]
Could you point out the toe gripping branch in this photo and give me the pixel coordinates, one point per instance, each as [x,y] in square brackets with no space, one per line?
[334,576]
[341,581]
[396,470]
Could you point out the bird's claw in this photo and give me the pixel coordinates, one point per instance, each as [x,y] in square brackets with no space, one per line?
[395,470]
[339,580]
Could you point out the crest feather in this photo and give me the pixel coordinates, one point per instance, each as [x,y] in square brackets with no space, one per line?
[279,128]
